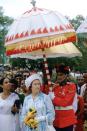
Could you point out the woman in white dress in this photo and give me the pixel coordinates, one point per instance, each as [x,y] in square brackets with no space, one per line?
[8,120]
[40,102]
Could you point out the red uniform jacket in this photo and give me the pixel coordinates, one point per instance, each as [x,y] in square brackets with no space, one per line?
[64,97]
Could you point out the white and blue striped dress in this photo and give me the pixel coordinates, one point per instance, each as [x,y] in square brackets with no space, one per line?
[43,104]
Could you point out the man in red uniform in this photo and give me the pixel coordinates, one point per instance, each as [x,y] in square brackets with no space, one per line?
[62,96]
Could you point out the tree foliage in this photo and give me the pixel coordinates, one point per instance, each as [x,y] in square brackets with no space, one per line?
[77,21]
[5,21]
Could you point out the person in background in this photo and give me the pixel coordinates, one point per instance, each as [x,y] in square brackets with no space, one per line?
[84,86]
[8,108]
[80,82]
[62,96]
[24,89]
[26,74]
[40,102]
[85,105]
[80,114]
[84,95]
[14,85]
[18,77]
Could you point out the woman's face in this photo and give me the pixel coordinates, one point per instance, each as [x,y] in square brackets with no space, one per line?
[6,84]
[36,86]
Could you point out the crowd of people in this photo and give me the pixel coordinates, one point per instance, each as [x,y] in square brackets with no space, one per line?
[28,104]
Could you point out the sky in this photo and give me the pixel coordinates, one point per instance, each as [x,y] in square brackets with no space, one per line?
[71,8]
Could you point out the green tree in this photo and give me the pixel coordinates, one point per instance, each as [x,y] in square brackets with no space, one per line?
[81,61]
[5,21]
[77,21]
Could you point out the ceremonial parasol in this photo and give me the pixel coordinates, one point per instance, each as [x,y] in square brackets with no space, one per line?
[38,29]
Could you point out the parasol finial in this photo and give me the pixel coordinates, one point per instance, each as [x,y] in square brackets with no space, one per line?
[33,2]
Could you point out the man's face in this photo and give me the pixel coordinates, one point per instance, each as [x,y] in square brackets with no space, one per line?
[80,81]
[19,80]
[25,75]
[61,77]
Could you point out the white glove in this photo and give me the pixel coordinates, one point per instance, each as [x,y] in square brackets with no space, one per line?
[51,95]
[40,118]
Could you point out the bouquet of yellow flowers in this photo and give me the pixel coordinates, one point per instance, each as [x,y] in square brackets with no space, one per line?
[30,119]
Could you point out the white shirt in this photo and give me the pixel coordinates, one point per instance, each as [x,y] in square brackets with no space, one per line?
[83,89]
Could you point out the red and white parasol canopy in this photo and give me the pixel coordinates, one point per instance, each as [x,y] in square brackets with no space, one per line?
[37,29]
[66,50]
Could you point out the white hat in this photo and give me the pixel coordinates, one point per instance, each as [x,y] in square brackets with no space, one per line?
[31,78]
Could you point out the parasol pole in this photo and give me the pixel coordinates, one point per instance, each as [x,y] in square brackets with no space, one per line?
[33,2]
[47,71]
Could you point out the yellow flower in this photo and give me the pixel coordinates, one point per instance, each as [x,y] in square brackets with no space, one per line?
[32,123]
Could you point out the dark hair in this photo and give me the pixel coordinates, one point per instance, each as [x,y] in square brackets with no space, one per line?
[26,71]
[62,69]
[14,81]
[2,80]
[18,75]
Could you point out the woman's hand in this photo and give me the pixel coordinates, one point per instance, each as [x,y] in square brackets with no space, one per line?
[14,109]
